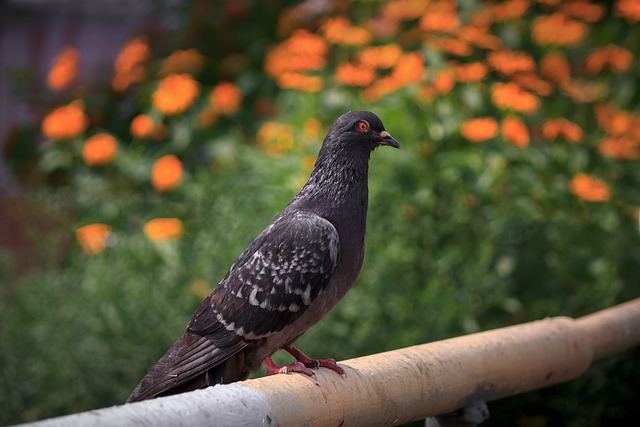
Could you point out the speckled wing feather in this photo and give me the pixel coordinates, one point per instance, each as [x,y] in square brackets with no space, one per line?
[274,280]
[270,285]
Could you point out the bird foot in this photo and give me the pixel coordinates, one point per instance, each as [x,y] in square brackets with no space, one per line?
[314,363]
[273,369]
[303,364]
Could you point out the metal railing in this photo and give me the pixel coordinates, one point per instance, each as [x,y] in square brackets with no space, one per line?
[397,386]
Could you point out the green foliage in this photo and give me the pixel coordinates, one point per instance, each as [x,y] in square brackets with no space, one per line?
[81,335]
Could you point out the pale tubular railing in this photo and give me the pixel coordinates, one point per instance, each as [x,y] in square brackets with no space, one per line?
[398,386]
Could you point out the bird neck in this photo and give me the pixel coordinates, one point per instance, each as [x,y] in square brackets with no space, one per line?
[338,185]
[338,191]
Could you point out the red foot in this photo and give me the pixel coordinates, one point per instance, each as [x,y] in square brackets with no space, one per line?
[314,363]
[273,369]
[304,364]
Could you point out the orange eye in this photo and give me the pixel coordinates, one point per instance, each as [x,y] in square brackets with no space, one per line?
[363,126]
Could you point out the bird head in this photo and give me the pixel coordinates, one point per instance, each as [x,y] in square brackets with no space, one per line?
[359,130]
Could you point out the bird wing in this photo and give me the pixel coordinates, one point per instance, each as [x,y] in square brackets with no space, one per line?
[273,281]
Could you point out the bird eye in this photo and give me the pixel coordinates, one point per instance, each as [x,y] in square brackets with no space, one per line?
[363,126]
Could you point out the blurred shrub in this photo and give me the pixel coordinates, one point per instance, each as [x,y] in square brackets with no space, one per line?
[514,196]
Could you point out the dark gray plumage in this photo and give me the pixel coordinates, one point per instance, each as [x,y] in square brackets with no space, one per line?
[288,279]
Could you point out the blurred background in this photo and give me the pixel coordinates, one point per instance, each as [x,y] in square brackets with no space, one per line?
[144,144]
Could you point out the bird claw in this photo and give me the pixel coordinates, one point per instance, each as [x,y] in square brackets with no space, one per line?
[303,364]
[300,368]
[330,364]
[314,363]
[273,369]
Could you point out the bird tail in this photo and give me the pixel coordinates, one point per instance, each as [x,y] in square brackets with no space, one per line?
[191,363]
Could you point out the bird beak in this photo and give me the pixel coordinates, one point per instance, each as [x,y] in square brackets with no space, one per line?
[387,139]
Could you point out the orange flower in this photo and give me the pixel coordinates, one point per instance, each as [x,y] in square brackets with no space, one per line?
[441,16]
[582,9]
[65,122]
[478,36]
[380,88]
[129,66]
[448,45]
[534,83]
[225,98]
[509,10]
[628,9]
[143,126]
[409,69]
[299,81]
[481,18]
[306,45]
[444,81]
[509,96]
[620,59]
[617,58]
[556,128]
[160,229]
[380,56]
[588,188]
[479,130]
[621,122]
[555,67]
[616,122]
[558,30]
[174,94]
[93,238]
[301,52]
[508,62]
[515,131]
[100,149]
[64,69]
[339,30]
[335,28]
[620,148]
[166,173]
[354,75]
[275,138]
[471,72]
[404,10]
[356,36]
[188,61]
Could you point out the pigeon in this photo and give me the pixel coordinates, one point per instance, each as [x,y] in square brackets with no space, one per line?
[289,277]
